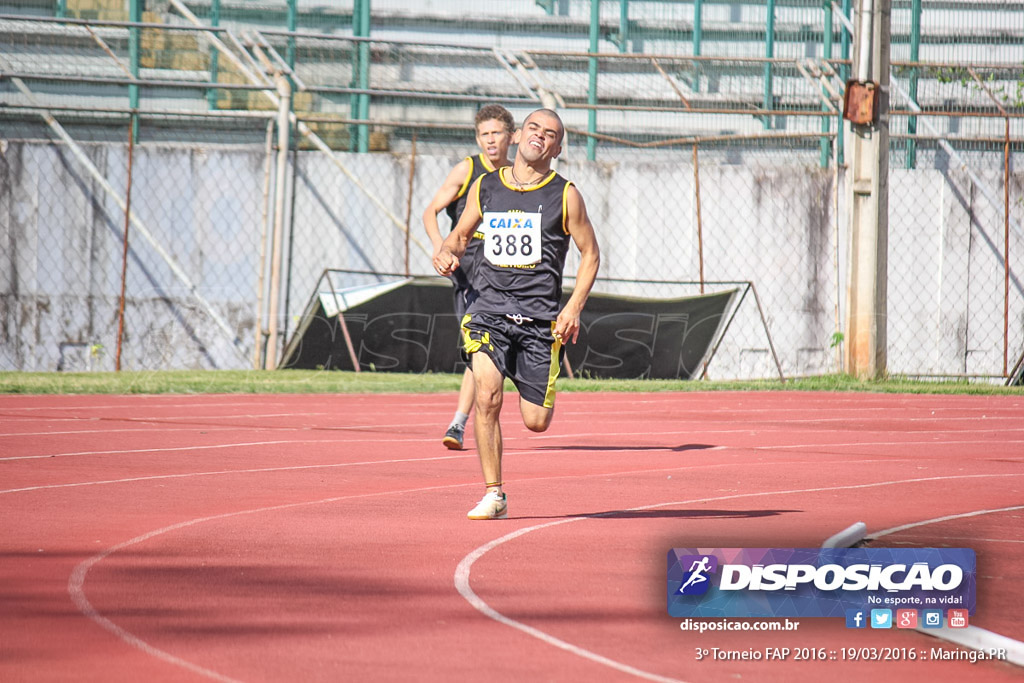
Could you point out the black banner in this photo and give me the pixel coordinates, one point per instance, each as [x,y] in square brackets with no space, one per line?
[413,329]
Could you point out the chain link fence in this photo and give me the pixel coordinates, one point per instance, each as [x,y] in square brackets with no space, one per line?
[705,163]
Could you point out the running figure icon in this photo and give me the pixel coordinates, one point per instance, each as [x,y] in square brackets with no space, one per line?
[697,573]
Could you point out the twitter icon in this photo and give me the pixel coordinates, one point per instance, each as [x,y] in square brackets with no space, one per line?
[881,618]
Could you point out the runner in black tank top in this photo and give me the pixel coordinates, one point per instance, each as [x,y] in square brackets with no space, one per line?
[478,165]
[494,128]
[518,268]
[515,328]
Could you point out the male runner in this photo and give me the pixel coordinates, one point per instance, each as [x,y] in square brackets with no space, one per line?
[494,129]
[516,326]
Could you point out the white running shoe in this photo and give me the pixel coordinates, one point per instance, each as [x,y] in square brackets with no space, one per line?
[494,505]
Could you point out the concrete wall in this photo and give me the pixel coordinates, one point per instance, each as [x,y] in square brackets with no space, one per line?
[61,245]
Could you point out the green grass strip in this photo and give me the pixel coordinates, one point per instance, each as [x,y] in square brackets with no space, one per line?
[338,382]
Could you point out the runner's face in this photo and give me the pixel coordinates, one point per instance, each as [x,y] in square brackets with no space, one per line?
[494,139]
[540,137]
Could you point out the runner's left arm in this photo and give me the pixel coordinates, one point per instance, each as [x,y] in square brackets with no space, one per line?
[447,257]
[578,224]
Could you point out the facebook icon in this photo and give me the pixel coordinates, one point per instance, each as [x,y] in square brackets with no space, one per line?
[856,618]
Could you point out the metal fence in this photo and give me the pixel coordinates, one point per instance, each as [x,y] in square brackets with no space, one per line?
[705,156]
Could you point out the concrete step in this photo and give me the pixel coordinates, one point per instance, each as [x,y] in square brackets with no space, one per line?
[338,136]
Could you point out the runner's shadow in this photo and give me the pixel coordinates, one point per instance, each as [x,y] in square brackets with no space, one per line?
[668,514]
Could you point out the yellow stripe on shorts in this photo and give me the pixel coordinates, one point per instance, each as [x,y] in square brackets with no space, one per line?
[553,369]
[468,343]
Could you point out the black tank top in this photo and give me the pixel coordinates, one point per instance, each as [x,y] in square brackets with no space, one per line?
[522,254]
[479,165]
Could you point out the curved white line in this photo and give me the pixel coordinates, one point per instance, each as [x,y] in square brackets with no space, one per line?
[462,571]
[973,637]
[935,520]
[76,588]
[462,586]
[76,582]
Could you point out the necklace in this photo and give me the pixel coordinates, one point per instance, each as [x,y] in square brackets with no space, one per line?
[519,183]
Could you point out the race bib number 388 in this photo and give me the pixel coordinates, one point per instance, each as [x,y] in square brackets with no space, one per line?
[512,238]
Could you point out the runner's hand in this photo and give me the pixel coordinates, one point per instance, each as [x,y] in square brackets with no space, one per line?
[567,326]
[445,262]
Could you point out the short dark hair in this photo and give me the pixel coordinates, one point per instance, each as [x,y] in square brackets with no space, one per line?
[497,113]
[552,113]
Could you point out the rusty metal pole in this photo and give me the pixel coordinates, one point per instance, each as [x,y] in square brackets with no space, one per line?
[408,201]
[284,91]
[1006,250]
[867,194]
[124,250]
[700,232]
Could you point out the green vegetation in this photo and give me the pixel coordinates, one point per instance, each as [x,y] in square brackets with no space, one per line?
[331,382]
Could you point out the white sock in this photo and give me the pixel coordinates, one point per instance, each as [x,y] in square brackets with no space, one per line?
[460,420]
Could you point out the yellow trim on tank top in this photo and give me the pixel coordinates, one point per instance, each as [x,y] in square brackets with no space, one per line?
[565,207]
[531,188]
[486,163]
[469,178]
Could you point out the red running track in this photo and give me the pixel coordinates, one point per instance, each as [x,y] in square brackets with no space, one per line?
[324,538]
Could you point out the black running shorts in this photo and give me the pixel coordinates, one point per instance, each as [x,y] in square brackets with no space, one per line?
[526,352]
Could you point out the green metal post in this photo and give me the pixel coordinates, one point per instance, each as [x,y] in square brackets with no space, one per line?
[915,49]
[62,8]
[844,75]
[359,104]
[595,25]
[623,25]
[769,49]
[293,22]
[364,75]
[698,23]
[211,94]
[353,100]
[698,35]
[134,15]
[827,49]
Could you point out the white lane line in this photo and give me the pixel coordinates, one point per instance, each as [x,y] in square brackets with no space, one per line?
[76,585]
[187,475]
[143,429]
[974,637]
[975,539]
[135,405]
[76,582]
[935,442]
[936,520]
[462,586]
[174,449]
[510,452]
[464,454]
[462,571]
[242,444]
[631,416]
[176,419]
